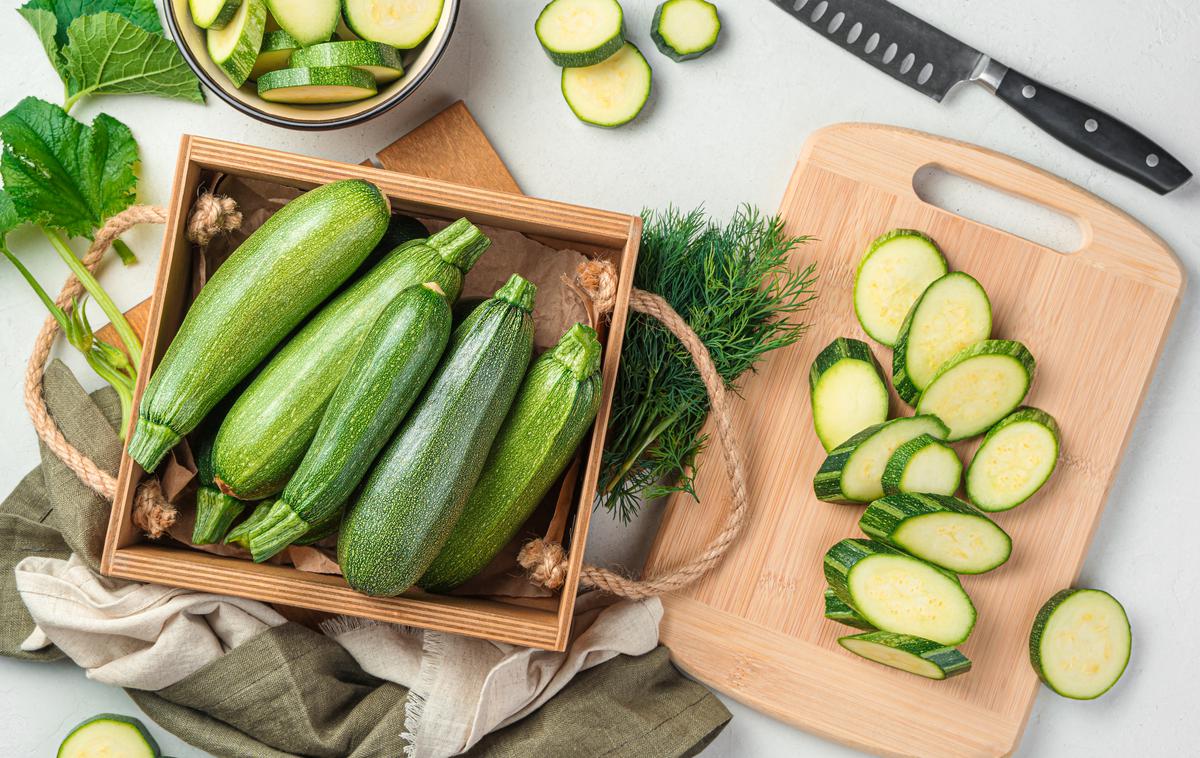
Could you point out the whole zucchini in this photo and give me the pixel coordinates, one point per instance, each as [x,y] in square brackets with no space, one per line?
[284,270]
[382,382]
[416,490]
[269,428]
[553,410]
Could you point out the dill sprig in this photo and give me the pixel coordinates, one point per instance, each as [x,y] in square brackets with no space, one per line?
[735,285]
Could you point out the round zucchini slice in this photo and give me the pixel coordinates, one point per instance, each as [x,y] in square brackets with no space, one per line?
[378,60]
[1080,643]
[847,391]
[1016,458]
[923,464]
[907,653]
[939,529]
[109,734]
[685,29]
[609,93]
[893,273]
[853,471]
[978,387]
[277,48]
[314,86]
[399,23]
[235,46]
[577,33]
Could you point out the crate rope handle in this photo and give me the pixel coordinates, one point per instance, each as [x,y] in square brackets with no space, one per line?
[547,562]
[151,510]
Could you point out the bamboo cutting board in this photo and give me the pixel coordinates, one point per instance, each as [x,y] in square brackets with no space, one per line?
[1094,319]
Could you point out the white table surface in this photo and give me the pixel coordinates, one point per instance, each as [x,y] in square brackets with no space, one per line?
[724,130]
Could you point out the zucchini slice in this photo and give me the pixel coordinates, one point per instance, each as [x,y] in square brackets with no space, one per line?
[842,612]
[951,314]
[847,390]
[109,734]
[235,46]
[1016,458]
[923,464]
[380,61]
[609,93]
[895,592]
[685,29]
[939,529]
[853,471]
[578,33]
[309,21]
[893,273]
[978,387]
[399,23]
[213,14]
[907,653]
[1080,643]
[276,52]
[336,84]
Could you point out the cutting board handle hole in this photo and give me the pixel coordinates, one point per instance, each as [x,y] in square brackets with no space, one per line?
[985,204]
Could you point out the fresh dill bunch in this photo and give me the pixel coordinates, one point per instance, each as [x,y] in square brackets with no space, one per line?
[737,288]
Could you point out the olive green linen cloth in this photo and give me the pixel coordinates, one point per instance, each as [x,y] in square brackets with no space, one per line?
[293,691]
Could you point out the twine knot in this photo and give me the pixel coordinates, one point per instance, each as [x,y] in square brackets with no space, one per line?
[545,562]
[212,215]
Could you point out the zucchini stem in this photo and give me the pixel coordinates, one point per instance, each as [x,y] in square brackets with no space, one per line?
[215,513]
[278,529]
[127,256]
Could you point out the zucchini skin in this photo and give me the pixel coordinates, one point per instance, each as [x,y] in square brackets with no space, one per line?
[382,382]
[554,409]
[410,501]
[279,275]
[666,48]
[270,427]
[893,472]
[947,659]
[1022,414]
[883,517]
[842,612]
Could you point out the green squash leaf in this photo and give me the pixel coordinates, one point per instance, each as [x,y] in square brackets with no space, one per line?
[141,13]
[106,54]
[62,174]
[9,218]
[44,25]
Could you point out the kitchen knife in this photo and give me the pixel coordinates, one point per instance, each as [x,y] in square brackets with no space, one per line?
[932,62]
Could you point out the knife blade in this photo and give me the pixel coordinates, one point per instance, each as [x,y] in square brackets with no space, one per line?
[933,62]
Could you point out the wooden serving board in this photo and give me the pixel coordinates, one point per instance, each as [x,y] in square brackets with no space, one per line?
[1094,319]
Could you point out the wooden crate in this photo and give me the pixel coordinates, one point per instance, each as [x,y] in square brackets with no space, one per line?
[536,622]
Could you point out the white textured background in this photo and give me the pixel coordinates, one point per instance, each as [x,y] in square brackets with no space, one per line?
[724,130]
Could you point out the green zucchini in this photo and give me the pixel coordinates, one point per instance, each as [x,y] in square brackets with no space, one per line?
[952,313]
[685,29]
[213,14]
[1014,460]
[978,387]
[893,273]
[109,734]
[309,21]
[842,612]
[378,60]
[279,275]
[853,471]
[399,23]
[240,534]
[276,51]
[612,92]
[895,592]
[554,409]
[234,47]
[580,32]
[923,464]
[847,391]
[388,371]
[907,653]
[215,511]
[335,84]
[1080,643]
[939,529]
[413,496]
[268,430]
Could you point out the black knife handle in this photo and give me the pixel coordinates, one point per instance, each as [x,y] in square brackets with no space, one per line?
[1101,137]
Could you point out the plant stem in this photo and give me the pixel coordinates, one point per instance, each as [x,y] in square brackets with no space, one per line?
[127,256]
[129,337]
[636,455]
[55,311]
[119,382]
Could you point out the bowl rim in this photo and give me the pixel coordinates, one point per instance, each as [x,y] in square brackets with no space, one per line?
[395,99]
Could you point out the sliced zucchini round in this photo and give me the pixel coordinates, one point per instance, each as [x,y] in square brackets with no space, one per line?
[896,592]
[685,29]
[1080,643]
[853,471]
[235,46]
[577,33]
[277,48]
[893,273]
[399,23]
[609,93]
[338,84]
[847,390]
[109,734]
[951,314]
[378,60]
[842,612]
[213,14]
[939,529]
[923,464]
[309,21]
[1016,458]
[905,652]
[978,387]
